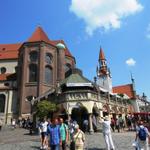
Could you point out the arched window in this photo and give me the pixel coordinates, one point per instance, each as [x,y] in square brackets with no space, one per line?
[67,67]
[2,103]
[33,56]
[3,70]
[48,58]
[32,73]
[48,75]
[30,98]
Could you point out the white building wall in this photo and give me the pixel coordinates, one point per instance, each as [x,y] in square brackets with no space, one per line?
[105,82]
[9,65]
[135,105]
[10,105]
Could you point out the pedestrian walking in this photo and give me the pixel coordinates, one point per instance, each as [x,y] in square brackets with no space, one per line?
[78,139]
[107,134]
[142,137]
[85,125]
[43,130]
[121,122]
[13,123]
[113,124]
[71,127]
[30,127]
[54,131]
[117,125]
[63,134]
[1,124]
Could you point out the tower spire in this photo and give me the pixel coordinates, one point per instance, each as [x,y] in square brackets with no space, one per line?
[101,54]
[102,63]
[103,72]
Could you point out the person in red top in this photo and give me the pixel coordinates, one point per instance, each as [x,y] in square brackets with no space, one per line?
[112,124]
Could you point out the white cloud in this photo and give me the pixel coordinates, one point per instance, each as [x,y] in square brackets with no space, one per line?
[148,32]
[130,62]
[105,14]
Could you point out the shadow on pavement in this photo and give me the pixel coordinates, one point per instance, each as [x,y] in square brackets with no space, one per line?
[35,147]
[95,148]
[33,134]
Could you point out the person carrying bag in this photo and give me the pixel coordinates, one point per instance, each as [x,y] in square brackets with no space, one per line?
[78,139]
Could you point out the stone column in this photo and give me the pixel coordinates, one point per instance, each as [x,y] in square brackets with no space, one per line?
[90,124]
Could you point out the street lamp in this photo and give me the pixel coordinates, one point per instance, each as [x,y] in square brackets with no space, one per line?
[144,98]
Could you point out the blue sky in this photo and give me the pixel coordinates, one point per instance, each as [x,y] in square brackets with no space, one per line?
[121,28]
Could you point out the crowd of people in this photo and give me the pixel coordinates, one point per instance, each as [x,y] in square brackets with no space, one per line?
[59,135]
[137,124]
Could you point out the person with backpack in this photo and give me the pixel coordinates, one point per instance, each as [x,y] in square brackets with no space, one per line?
[142,135]
[63,134]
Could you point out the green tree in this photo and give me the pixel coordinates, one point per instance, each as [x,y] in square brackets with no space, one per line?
[44,108]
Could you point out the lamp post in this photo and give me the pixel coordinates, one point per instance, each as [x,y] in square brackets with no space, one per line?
[144,98]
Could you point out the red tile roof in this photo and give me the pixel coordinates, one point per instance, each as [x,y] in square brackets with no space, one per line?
[38,35]
[124,89]
[67,52]
[3,77]
[9,51]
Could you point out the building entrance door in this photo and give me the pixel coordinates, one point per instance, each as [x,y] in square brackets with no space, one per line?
[79,114]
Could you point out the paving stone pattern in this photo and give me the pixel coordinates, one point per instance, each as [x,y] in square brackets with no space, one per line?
[19,139]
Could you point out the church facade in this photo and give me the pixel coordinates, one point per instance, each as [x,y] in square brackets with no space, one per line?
[34,70]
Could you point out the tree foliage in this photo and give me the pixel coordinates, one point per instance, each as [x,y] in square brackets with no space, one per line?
[121,94]
[44,108]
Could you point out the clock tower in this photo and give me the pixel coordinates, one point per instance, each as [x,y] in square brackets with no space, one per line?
[103,73]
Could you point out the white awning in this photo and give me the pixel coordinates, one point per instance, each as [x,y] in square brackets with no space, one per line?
[102,89]
[78,84]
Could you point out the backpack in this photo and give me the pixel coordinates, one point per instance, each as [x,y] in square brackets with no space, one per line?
[142,134]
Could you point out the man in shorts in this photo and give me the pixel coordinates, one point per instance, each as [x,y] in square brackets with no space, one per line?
[43,130]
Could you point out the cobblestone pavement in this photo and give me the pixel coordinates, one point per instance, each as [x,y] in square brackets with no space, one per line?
[19,139]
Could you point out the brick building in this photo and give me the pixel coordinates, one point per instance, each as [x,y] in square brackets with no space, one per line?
[35,69]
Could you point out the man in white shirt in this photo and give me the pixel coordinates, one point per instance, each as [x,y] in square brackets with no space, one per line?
[43,130]
[107,133]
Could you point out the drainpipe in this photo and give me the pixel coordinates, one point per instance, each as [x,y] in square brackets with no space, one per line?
[7,107]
